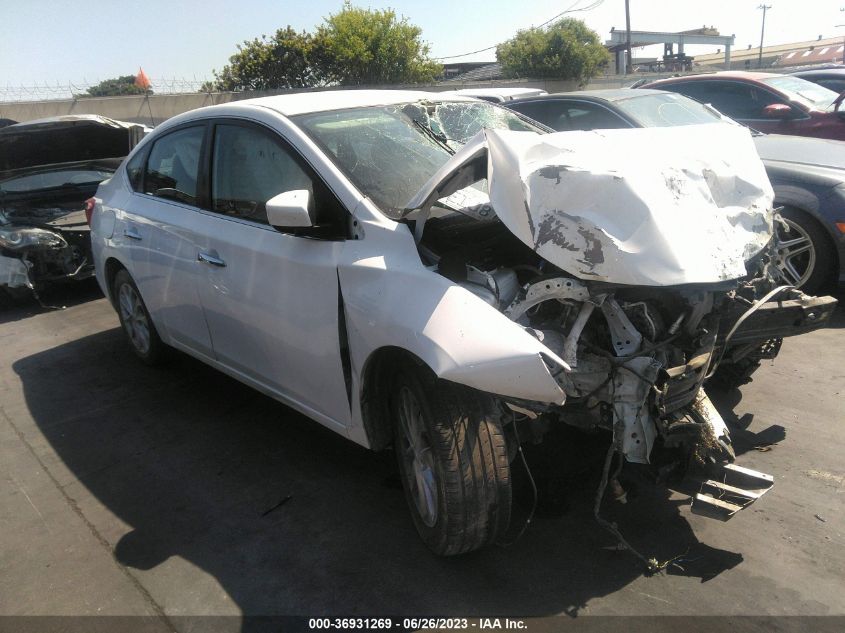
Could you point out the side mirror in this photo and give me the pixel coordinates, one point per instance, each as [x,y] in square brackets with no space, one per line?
[290,210]
[777,111]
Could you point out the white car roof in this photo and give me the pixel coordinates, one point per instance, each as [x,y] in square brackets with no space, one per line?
[320,101]
[504,93]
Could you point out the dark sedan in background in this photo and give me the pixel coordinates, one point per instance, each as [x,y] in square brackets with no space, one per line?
[830,78]
[48,168]
[771,103]
[808,175]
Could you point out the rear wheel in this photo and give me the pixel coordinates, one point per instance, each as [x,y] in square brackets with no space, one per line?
[804,253]
[136,321]
[453,462]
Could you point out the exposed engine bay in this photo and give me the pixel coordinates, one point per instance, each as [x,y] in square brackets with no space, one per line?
[637,357]
[641,310]
[45,243]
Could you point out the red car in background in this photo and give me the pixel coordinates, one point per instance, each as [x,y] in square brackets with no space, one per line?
[776,104]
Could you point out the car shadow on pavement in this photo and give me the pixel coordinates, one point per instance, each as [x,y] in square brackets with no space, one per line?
[290,518]
[24,304]
[725,401]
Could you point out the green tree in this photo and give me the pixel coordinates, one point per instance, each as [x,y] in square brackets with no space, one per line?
[368,47]
[115,87]
[567,49]
[282,61]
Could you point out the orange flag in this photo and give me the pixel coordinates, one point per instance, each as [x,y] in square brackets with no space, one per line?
[141,79]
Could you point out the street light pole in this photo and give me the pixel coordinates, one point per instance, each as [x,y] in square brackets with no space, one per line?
[843,43]
[765,8]
[629,64]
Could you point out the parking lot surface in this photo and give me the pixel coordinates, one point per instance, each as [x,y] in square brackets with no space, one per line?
[126,490]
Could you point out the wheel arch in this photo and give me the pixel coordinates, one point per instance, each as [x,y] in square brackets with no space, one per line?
[110,269]
[376,383]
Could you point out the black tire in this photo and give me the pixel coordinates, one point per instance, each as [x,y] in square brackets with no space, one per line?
[150,349]
[14,297]
[822,257]
[462,457]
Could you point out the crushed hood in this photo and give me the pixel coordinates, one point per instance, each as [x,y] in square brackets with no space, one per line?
[66,139]
[653,206]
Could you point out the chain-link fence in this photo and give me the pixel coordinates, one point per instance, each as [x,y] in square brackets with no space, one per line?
[74,90]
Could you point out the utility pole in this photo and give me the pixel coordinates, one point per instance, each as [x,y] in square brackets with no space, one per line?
[629,65]
[765,8]
[843,41]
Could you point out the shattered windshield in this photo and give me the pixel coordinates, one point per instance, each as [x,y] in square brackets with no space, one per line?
[390,152]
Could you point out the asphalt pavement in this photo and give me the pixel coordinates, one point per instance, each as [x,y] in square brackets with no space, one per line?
[128,490]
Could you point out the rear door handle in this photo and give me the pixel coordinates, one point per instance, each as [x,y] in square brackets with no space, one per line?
[132,234]
[208,258]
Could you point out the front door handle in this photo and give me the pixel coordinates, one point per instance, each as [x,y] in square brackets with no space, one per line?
[208,258]
[132,234]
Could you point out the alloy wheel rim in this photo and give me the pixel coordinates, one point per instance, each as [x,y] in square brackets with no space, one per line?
[796,257]
[417,458]
[134,318]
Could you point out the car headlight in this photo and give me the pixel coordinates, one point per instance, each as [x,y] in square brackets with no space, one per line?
[21,238]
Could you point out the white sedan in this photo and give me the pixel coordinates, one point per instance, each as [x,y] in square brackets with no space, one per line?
[405,270]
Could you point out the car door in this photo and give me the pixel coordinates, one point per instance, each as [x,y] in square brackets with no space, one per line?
[270,298]
[163,227]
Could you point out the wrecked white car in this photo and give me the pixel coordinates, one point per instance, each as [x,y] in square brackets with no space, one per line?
[48,168]
[442,277]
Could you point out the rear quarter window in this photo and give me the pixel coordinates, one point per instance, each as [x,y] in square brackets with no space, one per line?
[135,170]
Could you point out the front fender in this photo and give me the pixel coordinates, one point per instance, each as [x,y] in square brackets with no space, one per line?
[393,301]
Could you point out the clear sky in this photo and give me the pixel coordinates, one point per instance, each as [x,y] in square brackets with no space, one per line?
[62,41]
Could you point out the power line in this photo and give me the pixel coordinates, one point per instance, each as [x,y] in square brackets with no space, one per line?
[570,9]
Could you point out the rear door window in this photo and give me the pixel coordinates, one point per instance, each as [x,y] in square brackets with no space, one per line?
[173,165]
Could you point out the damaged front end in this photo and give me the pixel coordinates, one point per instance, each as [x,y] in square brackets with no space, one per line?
[48,168]
[36,250]
[646,276]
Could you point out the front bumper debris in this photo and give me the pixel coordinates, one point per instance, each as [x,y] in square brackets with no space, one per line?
[733,488]
[774,319]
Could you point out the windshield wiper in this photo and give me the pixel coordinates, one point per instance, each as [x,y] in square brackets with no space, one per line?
[440,139]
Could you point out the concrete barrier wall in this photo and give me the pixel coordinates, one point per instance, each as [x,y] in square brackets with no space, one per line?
[153,109]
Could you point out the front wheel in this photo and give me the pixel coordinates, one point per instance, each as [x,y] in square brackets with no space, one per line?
[453,461]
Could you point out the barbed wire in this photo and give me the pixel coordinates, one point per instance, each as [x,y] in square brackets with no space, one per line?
[77,89]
